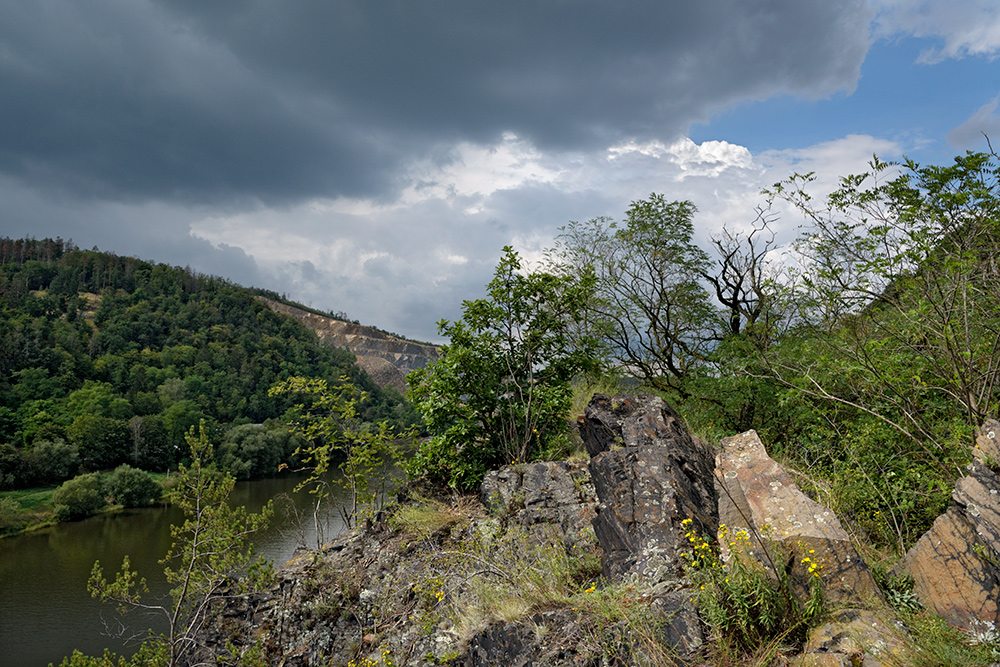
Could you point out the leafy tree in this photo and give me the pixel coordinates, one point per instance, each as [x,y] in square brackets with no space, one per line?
[253,450]
[49,461]
[131,487]
[11,466]
[97,398]
[650,306]
[102,441]
[180,417]
[11,518]
[326,419]
[211,562]
[892,365]
[903,276]
[501,389]
[79,497]
[152,448]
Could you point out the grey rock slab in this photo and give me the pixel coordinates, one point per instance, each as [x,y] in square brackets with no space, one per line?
[649,475]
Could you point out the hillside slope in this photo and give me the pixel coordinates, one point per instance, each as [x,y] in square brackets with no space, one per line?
[107,359]
[387,359]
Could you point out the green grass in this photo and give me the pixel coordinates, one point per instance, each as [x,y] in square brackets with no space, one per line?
[31,499]
[35,509]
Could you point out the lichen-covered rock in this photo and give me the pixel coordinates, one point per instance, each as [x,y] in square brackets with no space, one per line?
[545,639]
[549,498]
[853,637]
[651,477]
[608,421]
[987,449]
[757,494]
[678,627]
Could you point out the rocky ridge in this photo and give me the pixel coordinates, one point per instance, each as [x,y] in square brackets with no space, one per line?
[466,584]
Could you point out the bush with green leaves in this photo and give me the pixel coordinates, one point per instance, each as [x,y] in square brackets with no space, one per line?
[148,655]
[50,461]
[11,519]
[501,389]
[79,497]
[131,487]
[252,451]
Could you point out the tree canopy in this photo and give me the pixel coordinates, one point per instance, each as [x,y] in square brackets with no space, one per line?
[119,358]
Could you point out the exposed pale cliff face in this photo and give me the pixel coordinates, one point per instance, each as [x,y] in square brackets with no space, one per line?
[386,358]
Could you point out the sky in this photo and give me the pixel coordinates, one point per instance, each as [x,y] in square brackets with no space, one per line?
[373,157]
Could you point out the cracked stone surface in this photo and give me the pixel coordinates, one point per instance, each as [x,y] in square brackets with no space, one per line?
[956,564]
[650,475]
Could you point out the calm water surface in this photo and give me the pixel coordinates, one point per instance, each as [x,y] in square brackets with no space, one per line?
[45,610]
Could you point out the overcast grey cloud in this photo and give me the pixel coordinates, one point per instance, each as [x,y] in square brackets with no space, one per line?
[274,101]
[374,157]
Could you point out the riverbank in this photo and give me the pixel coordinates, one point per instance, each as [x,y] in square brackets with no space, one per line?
[27,510]
[47,611]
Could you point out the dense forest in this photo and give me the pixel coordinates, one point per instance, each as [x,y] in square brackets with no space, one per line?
[107,360]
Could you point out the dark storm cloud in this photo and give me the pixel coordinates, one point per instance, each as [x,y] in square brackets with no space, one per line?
[230,102]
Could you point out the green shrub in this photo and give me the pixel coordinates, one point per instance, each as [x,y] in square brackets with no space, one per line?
[748,602]
[51,461]
[131,487]
[150,654]
[78,498]
[501,390]
[10,515]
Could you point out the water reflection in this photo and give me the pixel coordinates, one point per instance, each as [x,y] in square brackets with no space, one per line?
[45,610]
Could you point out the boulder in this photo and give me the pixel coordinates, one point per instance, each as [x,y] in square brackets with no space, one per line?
[552,499]
[853,637]
[757,494]
[649,475]
[956,564]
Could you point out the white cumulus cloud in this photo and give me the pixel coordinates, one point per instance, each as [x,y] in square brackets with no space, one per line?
[966,27]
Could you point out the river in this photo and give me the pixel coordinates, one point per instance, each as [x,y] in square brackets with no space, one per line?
[45,610]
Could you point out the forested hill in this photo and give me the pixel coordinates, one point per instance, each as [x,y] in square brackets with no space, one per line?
[119,357]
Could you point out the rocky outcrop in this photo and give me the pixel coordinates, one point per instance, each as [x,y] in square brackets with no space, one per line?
[803,539]
[650,475]
[956,565]
[545,638]
[382,372]
[552,499]
[395,588]
[611,422]
[853,637]
[388,592]
[368,344]
[757,494]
